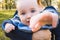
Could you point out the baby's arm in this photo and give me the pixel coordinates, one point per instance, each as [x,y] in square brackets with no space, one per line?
[40,20]
[8,26]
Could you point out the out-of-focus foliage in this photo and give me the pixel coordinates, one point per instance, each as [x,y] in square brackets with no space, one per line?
[7,4]
[10,4]
[4,15]
[2,35]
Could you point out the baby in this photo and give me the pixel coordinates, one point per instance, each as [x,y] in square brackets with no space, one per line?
[26,9]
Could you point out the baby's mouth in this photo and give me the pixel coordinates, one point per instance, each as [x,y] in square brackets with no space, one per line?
[28,22]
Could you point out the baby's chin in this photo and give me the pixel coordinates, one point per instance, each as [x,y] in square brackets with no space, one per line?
[28,23]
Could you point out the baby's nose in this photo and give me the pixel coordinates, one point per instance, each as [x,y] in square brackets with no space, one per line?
[29,16]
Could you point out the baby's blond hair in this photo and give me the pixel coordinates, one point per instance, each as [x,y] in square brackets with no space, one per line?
[39,2]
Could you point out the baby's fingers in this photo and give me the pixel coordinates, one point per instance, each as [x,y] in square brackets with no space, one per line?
[12,27]
[36,27]
[7,30]
[9,27]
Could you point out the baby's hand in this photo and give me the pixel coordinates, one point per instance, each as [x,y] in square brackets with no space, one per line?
[9,27]
[40,20]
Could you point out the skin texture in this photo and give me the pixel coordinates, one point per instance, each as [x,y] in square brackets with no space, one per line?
[42,35]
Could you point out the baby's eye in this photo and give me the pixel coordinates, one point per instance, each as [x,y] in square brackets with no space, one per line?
[32,11]
[23,13]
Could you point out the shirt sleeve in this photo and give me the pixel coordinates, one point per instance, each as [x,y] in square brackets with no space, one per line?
[4,23]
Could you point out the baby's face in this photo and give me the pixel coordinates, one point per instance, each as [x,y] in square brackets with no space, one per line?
[27,9]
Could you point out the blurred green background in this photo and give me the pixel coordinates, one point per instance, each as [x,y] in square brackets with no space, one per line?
[7,10]
[4,15]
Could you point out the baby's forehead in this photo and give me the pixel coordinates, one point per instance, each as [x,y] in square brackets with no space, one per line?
[27,3]
[26,0]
